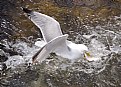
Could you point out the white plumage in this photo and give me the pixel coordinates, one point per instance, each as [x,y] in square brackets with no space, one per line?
[54,39]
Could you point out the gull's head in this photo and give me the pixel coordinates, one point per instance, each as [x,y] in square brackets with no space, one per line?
[77,50]
[82,48]
[87,55]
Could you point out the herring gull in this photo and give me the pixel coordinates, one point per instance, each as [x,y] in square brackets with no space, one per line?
[55,41]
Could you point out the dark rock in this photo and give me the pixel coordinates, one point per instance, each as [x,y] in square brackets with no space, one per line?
[3,57]
[87,3]
[3,67]
[6,6]
[1,46]
[67,3]
[4,50]
[24,79]
[6,28]
[26,10]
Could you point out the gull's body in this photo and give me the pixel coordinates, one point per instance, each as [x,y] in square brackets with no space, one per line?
[54,39]
[73,51]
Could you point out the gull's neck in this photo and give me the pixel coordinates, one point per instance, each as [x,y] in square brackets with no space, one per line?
[73,51]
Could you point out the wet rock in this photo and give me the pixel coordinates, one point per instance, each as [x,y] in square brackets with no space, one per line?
[23,79]
[5,28]
[3,67]
[1,46]
[67,3]
[9,50]
[94,3]
[22,76]
[88,3]
[6,6]
[3,56]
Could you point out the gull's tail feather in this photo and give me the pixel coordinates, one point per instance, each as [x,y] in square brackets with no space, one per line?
[43,53]
[26,10]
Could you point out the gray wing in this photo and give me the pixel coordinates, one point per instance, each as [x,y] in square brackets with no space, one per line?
[49,27]
[43,53]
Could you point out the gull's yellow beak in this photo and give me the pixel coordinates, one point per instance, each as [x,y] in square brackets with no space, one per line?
[87,55]
[90,57]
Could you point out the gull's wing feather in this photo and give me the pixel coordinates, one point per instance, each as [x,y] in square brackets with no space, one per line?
[49,27]
[43,53]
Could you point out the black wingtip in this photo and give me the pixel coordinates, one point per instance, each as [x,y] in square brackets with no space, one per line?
[26,10]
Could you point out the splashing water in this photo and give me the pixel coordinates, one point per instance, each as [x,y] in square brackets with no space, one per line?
[102,42]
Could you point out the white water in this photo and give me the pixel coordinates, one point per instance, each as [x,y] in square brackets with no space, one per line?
[104,36]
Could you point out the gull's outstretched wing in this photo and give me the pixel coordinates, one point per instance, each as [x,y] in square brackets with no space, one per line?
[49,27]
[43,53]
